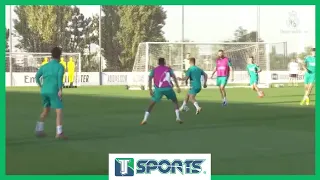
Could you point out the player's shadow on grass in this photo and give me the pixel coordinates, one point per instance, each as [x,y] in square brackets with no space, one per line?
[243,138]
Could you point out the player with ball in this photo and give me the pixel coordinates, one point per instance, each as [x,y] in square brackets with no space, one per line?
[194,73]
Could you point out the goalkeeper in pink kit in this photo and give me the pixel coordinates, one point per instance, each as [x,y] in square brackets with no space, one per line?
[223,69]
[161,76]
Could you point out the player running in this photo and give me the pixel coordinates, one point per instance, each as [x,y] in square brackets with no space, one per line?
[194,73]
[253,72]
[309,76]
[161,76]
[293,68]
[223,69]
[51,92]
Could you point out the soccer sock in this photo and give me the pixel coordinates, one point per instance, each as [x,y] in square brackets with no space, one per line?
[305,97]
[40,126]
[59,129]
[184,103]
[146,115]
[196,105]
[177,114]
[224,99]
[259,93]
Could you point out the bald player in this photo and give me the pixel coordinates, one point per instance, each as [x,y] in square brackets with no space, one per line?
[224,71]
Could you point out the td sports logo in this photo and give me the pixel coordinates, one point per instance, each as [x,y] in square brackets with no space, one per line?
[125,166]
[159,166]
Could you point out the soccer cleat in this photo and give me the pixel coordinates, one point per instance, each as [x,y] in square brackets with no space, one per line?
[302,102]
[143,122]
[260,94]
[61,136]
[179,121]
[307,101]
[40,134]
[198,111]
[224,103]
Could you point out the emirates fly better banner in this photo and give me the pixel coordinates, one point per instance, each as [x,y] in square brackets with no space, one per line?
[137,78]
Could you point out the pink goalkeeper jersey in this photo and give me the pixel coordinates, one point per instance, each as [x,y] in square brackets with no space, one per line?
[222,65]
[162,77]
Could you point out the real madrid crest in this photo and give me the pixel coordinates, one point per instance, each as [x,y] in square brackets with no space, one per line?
[293,20]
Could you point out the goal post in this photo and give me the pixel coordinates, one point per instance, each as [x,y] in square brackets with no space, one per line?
[206,53]
[21,67]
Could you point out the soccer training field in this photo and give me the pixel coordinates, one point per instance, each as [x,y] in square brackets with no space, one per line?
[273,135]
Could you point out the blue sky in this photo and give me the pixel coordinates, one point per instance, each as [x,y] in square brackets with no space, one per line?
[218,23]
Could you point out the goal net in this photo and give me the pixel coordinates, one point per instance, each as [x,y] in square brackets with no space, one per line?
[176,55]
[21,68]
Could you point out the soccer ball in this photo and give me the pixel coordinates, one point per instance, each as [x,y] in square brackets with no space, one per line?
[186,109]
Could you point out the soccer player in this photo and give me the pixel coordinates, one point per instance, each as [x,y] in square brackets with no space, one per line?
[51,92]
[223,69]
[161,76]
[186,66]
[71,67]
[194,73]
[45,61]
[253,71]
[293,68]
[309,76]
[64,64]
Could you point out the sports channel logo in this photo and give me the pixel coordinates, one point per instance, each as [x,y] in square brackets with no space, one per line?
[124,166]
[159,166]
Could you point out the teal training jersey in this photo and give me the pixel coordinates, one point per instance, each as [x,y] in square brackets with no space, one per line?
[195,73]
[52,75]
[253,70]
[310,62]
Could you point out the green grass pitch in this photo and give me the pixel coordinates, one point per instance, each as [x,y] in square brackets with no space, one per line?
[273,135]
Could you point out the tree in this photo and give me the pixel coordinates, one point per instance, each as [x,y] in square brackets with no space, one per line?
[292,55]
[138,24]
[7,40]
[40,27]
[28,40]
[110,43]
[240,33]
[307,52]
[239,52]
[82,32]
[124,27]
[41,20]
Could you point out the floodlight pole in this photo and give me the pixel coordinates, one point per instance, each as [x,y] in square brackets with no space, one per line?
[182,23]
[258,33]
[100,52]
[182,36]
[10,48]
